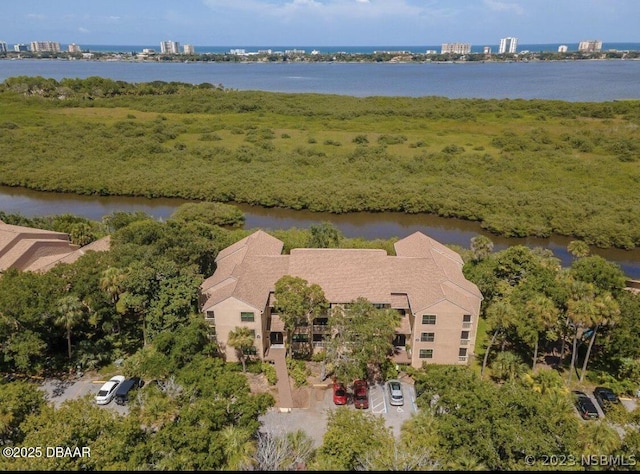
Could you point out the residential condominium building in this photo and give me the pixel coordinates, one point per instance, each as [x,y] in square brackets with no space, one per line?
[508,45]
[3,47]
[45,46]
[439,307]
[170,47]
[591,46]
[189,49]
[455,48]
[73,48]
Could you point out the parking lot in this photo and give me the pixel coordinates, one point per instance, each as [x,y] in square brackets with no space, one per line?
[58,391]
[313,419]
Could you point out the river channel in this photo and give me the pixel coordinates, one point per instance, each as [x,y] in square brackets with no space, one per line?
[367,225]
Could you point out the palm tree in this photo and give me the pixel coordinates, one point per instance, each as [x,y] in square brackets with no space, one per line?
[71,311]
[499,317]
[507,366]
[238,447]
[606,311]
[580,314]
[241,340]
[543,315]
[111,283]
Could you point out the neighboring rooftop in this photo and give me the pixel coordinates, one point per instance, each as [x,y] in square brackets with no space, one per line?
[38,250]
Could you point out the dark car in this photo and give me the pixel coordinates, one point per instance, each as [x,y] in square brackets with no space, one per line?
[361,394]
[122,394]
[339,394]
[585,406]
[605,397]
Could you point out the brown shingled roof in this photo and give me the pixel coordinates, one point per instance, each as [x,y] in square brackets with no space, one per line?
[423,273]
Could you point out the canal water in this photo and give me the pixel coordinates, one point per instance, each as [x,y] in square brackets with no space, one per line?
[382,225]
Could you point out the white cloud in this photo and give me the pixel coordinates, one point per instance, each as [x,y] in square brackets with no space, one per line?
[82,29]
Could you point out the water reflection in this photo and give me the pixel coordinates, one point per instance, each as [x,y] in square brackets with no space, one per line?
[367,225]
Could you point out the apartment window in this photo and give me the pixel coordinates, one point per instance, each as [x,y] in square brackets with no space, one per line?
[299,337]
[428,319]
[464,335]
[462,354]
[210,315]
[426,353]
[466,321]
[246,317]
[427,337]
[250,351]
[252,333]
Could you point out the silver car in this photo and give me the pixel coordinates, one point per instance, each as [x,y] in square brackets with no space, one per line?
[395,393]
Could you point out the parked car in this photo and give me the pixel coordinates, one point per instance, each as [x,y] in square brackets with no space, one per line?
[339,394]
[395,392]
[122,393]
[361,394]
[585,406]
[108,390]
[605,397]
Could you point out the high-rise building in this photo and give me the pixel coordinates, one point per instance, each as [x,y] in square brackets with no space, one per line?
[563,48]
[590,46]
[508,45]
[188,49]
[170,47]
[20,47]
[3,47]
[45,46]
[456,48]
[73,48]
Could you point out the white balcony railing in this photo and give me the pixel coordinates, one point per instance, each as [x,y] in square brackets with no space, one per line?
[462,358]
[464,342]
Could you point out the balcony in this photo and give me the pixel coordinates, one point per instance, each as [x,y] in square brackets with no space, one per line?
[466,325]
[320,329]
[462,358]
[464,342]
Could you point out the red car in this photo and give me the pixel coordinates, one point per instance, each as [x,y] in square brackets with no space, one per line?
[339,394]
[361,394]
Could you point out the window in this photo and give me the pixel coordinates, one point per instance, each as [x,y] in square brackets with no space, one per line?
[466,321]
[246,317]
[426,353]
[210,315]
[250,351]
[428,319]
[299,337]
[252,333]
[462,354]
[464,335]
[427,336]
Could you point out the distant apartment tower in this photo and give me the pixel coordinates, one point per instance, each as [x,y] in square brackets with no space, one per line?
[73,48]
[591,46]
[563,48]
[45,46]
[486,50]
[170,47]
[20,47]
[189,49]
[508,45]
[456,48]
[3,47]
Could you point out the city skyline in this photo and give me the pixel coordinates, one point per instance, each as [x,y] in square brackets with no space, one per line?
[320,22]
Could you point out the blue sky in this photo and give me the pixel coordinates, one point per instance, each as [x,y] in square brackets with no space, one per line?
[318,22]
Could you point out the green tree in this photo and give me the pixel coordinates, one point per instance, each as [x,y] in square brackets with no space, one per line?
[297,303]
[241,340]
[350,436]
[481,246]
[325,235]
[362,338]
[606,311]
[539,315]
[71,313]
[579,248]
[500,315]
